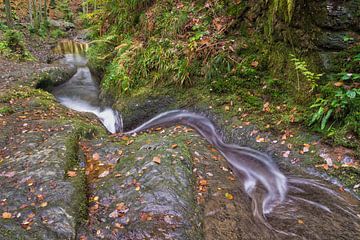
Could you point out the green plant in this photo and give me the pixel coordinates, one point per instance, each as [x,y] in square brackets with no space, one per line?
[336,106]
[303,68]
[57,33]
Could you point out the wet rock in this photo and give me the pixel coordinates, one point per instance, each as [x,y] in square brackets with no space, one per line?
[137,110]
[61,24]
[337,15]
[142,198]
[333,41]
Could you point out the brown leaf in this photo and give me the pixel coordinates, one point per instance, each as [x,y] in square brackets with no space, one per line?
[130,142]
[157,160]
[254,64]
[266,107]
[300,221]
[174,146]
[203,182]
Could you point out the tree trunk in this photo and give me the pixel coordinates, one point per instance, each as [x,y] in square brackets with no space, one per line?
[45,12]
[8,12]
[31,13]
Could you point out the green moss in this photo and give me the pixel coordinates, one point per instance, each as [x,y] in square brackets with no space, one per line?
[6,110]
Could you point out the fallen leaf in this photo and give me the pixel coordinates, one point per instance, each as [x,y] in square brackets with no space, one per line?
[338,84]
[254,64]
[227,108]
[229,196]
[266,107]
[43,204]
[260,139]
[203,182]
[9,174]
[174,146]
[6,215]
[306,147]
[96,156]
[286,154]
[114,214]
[71,174]
[300,221]
[104,174]
[156,160]
[130,142]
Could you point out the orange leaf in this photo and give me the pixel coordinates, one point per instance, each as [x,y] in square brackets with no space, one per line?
[174,145]
[6,215]
[203,182]
[71,174]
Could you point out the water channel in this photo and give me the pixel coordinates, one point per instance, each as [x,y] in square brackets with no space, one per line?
[282,201]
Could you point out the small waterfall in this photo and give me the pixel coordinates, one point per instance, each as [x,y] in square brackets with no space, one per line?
[71,47]
[81,92]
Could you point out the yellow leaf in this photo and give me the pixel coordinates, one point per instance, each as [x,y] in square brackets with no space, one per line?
[229,196]
[43,204]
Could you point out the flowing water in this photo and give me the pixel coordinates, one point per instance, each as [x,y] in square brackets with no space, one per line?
[282,201]
[81,92]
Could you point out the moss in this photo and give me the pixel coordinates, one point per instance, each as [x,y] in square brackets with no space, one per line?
[6,110]
[80,201]
[7,234]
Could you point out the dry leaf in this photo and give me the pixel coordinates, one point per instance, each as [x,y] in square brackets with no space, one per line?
[104,174]
[6,215]
[43,204]
[71,174]
[114,214]
[260,139]
[254,64]
[203,182]
[306,147]
[300,221]
[130,142]
[9,174]
[96,156]
[156,160]
[266,107]
[174,146]
[229,196]
[338,84]
[286,154]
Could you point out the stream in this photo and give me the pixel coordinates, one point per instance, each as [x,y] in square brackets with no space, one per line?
[282,200]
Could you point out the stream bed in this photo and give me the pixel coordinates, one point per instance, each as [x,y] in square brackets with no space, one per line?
[286,203]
